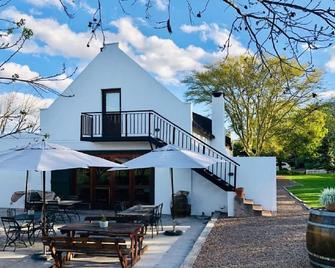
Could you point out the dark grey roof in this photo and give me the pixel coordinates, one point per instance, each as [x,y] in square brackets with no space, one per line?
[203,125]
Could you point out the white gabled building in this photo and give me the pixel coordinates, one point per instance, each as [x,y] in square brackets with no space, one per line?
[119,112]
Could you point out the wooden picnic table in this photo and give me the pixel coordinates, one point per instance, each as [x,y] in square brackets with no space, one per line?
[137,211]
[133,231]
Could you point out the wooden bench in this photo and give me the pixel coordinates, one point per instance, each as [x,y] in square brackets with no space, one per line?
[98,246]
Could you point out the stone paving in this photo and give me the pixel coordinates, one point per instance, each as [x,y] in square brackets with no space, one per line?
[252,242]
[163,251]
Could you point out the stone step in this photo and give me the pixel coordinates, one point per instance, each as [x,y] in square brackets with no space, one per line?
[267,213]
[248,202]
[257,207]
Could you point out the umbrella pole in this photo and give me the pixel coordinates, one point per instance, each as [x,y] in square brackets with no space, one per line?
[26,191]
[174,232]
[42,256]
[172,198]
[43,212]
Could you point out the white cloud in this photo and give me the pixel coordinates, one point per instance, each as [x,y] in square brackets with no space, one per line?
[161,4]
[24,72]
[212,32]
[163,57]
[327,94]
[331,63]
[158,4]
[58,39]
[44,3]
[90,10]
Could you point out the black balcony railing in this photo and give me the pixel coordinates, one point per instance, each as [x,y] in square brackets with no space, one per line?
[149,125]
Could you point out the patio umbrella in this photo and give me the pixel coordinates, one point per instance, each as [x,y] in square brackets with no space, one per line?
[43,156]
[171,157]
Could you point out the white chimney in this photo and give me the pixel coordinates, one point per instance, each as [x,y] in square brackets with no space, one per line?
[218,122]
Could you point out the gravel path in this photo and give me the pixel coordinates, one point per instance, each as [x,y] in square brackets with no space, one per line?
[259,241]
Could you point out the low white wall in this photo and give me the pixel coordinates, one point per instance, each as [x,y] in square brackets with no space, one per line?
[12,181]
[258,177]
[204,197]
[182,182]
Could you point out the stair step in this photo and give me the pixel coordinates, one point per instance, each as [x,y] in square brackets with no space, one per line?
[248,201]
[257,207]
[267,213]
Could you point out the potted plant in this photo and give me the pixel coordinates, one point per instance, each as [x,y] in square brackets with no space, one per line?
[103,223]
[327,199]
[239,192]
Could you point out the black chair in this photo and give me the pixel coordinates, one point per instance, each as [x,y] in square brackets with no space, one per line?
[59,215]
[11,212]
[50,218]
[158,216]
[153,221]
[15,232]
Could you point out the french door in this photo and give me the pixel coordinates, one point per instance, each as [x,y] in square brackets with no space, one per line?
[111,113]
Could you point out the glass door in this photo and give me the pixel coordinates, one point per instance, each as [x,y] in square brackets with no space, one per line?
[111,113]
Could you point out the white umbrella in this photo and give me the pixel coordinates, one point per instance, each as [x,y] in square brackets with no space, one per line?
[43,156]
[171,157]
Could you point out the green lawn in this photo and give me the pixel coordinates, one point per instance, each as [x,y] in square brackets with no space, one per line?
[311,187]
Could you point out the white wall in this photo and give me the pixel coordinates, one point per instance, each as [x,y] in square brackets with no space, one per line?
[258,177]
[12,181]
[111,68]
[182,181]
[204,196]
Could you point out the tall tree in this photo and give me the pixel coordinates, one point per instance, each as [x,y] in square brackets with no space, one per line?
[257,102]
[299,137]
[327,149]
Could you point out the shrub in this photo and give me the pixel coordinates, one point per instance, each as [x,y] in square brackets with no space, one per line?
[327,196]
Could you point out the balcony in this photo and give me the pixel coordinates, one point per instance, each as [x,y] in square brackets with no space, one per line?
[120,126]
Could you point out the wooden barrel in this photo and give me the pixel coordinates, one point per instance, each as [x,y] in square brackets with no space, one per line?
[182,207]
[320,238]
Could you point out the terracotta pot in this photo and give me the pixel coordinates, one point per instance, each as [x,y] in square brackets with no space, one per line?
[239,192]
[331,207]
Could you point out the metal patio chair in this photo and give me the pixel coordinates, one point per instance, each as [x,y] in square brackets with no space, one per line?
[158,215]
[15,232]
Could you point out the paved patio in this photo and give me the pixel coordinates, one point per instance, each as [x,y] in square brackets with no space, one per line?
[163,251]
[259,241]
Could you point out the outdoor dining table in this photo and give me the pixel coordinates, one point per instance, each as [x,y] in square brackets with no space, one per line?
[132,231]
[60,203]
[137,211]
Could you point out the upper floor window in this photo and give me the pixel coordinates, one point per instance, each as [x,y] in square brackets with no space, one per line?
[111,100]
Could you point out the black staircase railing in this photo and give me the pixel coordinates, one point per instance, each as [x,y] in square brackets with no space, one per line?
[150,125]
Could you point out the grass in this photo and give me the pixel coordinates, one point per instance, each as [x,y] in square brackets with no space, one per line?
[310,186]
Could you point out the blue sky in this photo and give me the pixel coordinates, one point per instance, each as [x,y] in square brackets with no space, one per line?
[58,39]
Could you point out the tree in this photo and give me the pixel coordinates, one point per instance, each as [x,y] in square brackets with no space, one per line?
[19,113]
[257,102]
[327,148]
[299,137]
